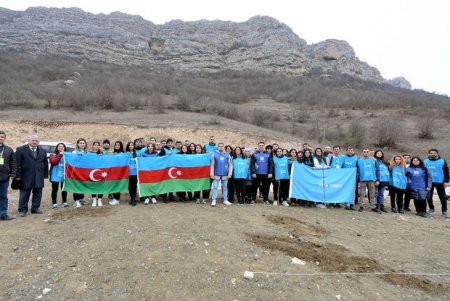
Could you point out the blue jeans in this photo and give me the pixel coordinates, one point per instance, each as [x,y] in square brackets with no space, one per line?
[35,199]
[4,198]
[224,188]
[379,194]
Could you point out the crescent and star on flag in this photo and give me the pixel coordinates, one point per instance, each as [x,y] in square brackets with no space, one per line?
[170,173]
[103,175]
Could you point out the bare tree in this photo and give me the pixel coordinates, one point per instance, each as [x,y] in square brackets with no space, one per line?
[388,130]
[158,103]
[356,134]
[426,126]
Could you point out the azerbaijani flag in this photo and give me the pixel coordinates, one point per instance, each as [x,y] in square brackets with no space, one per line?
[173,173]
[92,174]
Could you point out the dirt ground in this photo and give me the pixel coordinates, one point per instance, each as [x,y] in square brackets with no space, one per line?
[187,251]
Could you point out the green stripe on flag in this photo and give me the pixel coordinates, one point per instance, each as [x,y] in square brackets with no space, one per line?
[99,187]
[175,185]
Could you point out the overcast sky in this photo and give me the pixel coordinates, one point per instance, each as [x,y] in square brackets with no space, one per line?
[409,38]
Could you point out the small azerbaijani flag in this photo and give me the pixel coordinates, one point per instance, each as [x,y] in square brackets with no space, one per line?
[173,173]
[92,174]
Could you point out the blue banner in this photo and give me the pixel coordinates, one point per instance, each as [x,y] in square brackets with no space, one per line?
[334,185]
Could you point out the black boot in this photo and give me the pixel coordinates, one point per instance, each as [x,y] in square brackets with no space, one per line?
[383,209]
[133,202]
[376,209]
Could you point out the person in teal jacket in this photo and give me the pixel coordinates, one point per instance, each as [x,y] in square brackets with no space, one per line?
[397,183]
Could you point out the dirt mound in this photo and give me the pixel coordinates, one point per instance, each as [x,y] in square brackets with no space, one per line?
[296,227]
[332,258]
[84,212]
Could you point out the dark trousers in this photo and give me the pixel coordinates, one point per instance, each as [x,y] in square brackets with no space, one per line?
[231,190]
[276,188]
[132,186]
[441,193]
[182,196]
[115,196]
[263,183]
[25,197]
[239,185]
[55,187]
[281,187]
[407,199]
[250,192]
[421,205]
[396,195]
[4,198]
[201,194]
[77,196]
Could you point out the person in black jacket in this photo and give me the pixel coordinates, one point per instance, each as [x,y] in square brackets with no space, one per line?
[7,170]
[32,169]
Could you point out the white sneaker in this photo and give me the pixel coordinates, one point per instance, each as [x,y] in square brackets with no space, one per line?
[84,202]
[321,206]
[65,205]
[213,203]
[99,203]
[154,201]
[147,200]
[226,202]
[114,202]
[94,202]
[285,204]
[275,203]
[203,201]
[197,201]
[77,204]
[55,206]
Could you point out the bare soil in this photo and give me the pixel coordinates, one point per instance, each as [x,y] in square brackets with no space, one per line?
[187,251]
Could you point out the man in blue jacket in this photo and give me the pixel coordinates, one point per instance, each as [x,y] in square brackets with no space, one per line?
[438,168]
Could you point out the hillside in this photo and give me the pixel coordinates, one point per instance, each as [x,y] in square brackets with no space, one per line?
[261,44]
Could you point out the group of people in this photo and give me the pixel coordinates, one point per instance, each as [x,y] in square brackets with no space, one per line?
[241,172]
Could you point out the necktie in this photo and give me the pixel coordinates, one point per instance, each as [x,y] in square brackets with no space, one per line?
[34,152]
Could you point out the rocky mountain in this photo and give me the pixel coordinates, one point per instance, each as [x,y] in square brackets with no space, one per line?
[260,44]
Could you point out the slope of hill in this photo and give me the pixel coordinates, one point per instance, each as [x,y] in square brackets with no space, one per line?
[261,44]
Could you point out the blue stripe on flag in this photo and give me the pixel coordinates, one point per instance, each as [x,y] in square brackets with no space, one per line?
[91,160]
[157,163]
[335,185]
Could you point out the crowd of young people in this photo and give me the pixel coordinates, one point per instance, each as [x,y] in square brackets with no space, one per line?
[242,172]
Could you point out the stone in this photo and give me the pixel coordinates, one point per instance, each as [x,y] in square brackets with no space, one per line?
[249,275]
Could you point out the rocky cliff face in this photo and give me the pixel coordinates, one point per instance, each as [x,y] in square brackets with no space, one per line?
[259,44]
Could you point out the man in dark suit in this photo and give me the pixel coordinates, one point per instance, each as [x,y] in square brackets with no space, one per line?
[32,169]
[7,171]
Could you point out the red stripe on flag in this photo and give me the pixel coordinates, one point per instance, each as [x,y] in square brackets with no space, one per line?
[180,173]
[97,174]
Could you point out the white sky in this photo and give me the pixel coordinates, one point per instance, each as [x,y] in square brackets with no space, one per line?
[409,38]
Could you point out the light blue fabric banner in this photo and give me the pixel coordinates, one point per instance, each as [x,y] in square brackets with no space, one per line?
[335,185]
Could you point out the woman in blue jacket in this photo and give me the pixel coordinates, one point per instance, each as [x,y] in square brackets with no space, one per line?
[397,183]
[57,174]
[240,172]
[383,176]
[419,185]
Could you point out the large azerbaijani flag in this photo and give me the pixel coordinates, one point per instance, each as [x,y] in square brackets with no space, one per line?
[92,174]
[172,173]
